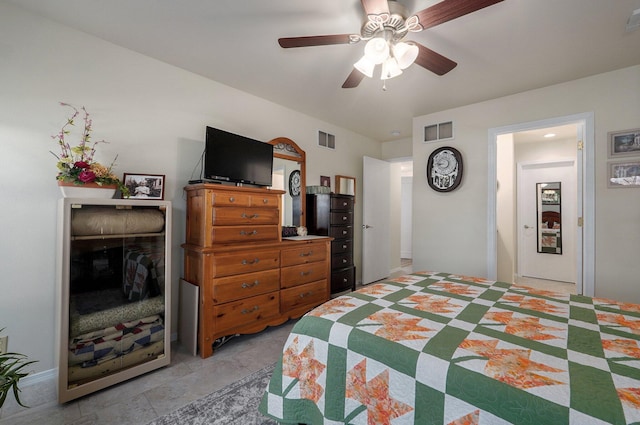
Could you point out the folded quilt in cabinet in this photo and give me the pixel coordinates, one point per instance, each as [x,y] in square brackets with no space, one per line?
[95,347]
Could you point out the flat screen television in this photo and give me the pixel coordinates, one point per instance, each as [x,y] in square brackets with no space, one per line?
[234,158]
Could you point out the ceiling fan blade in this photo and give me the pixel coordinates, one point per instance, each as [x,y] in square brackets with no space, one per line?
[315,40]
[447,10]
[375,7]
[433,61]
[353,79]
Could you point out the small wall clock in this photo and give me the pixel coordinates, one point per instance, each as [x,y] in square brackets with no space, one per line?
[444,169]
[294,183]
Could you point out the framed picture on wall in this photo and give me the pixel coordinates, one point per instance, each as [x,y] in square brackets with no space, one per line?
[325,181]
[624,143]
[624,174]
[145,186]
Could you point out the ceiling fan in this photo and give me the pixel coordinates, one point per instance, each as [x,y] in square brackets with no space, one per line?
[385,31]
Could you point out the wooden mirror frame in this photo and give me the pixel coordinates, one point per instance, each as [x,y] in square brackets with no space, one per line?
[340,180]
[285,148]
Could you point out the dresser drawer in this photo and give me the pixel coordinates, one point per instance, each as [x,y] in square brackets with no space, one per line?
[266,201]
[341,246]
[232,234]
[309,294]
[237,199]
[304,273]
[232,215]
[240,263]
[249,310]
[341,260]
[343,280]
[341,217]
[231,199]
[341,232]
[303,255]
[340,203]
[237,287]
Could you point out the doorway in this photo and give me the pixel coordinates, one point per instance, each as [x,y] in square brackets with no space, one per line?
[546,211]
[584,153]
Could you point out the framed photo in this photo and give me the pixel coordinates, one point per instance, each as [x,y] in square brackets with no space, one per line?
[624,143]
[145,186]
[624,174]
[325,181]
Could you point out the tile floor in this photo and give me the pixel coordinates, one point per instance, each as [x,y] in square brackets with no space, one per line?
[188,378]
[144,398]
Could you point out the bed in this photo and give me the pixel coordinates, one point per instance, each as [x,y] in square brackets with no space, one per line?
[439,348]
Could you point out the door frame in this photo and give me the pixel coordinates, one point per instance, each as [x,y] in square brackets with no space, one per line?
[586,179]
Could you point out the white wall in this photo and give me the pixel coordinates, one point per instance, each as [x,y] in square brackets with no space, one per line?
[152,114]
[450,234]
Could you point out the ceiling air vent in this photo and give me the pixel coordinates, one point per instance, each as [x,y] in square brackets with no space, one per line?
[436,132]
[326,140]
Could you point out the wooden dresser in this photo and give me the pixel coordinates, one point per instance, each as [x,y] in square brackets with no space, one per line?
[248,277]
[332,215]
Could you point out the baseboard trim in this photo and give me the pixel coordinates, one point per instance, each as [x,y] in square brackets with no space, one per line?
[39,377]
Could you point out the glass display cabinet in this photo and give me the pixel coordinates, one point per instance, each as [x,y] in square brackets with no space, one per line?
[114,292]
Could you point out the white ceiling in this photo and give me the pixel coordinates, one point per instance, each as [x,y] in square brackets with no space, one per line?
[510,47]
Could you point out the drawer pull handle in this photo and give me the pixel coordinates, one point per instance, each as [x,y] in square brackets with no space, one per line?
[265,201]
[344,260]
[344,247]
[344,232]
[254,261]
[246,285]
[232,199]
[243,215]
[344,204]
[345,280]
[244,233]
[247,311]
[344,218]
[255,216]
[306,294]
[306,254]
[305,273]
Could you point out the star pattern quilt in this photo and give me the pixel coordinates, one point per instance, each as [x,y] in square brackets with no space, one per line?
[438,348]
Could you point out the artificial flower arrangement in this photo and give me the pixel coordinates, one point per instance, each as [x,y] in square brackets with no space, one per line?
[76,164]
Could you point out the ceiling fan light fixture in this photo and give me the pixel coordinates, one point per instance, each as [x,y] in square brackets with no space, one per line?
[405,54]
[365,66]
[390,69]
[377,50]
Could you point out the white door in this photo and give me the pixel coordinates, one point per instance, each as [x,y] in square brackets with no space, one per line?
[559,267]
[375,219]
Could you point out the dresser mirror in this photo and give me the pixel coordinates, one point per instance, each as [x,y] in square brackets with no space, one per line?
[289,174]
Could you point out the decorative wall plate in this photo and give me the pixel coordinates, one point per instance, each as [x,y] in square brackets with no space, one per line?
[294,183]
[444,169]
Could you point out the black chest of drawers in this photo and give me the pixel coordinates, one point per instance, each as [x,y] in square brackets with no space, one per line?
[332,215]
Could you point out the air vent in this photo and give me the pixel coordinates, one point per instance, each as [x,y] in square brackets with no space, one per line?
[326,140]
[436,132]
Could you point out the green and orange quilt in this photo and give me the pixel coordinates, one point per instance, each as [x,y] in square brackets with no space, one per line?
[438,348]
